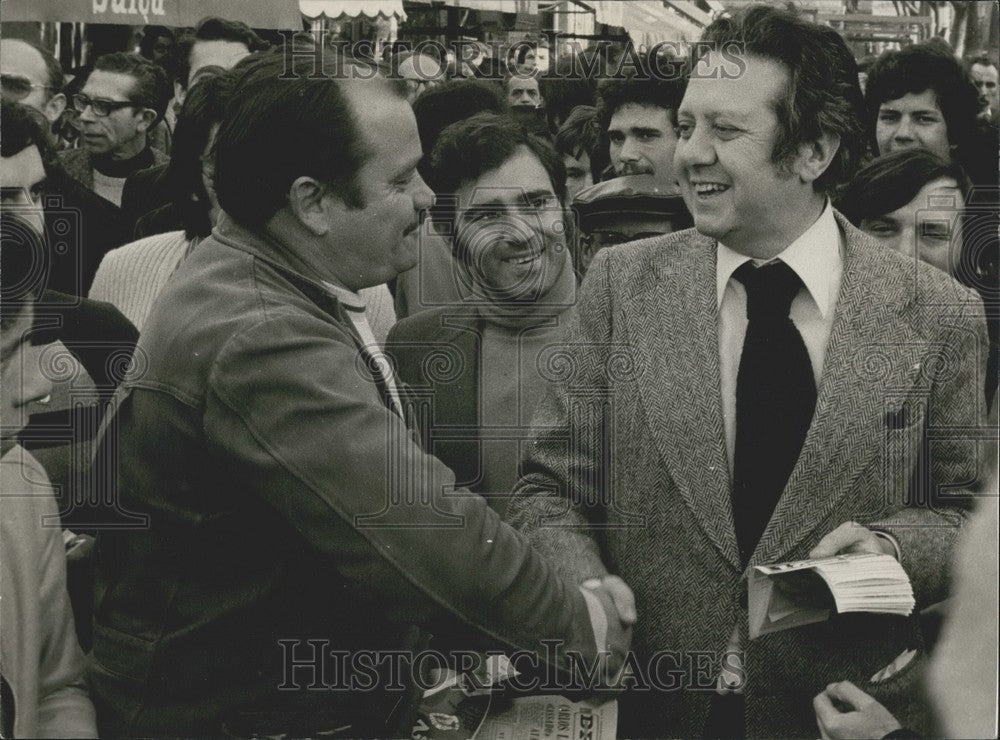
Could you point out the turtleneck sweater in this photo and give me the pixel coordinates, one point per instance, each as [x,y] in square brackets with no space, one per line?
[110,174]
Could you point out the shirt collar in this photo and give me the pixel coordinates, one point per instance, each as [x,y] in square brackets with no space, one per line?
[813,256]
[348,298]
[229,232]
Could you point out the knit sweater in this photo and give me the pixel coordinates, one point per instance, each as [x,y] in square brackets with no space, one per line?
[82,166]
[132,276]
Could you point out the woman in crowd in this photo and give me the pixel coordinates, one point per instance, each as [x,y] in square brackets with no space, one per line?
[917,203]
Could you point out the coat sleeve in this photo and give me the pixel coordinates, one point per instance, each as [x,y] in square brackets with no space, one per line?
[956,439]
[291,407]
[64,707]
[565,464]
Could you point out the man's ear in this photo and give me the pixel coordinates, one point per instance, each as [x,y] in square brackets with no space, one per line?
[147,118]
[55,107]
[306,200]
[815,156]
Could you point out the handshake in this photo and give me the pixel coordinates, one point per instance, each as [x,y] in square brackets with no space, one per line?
[611,605]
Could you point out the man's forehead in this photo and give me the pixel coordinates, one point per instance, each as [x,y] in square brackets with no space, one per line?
[987,71]
[420,67]
[111,85]
[385,121]
[923,100]
[480,195]
[219,52]
[638,115]
[523,83]
[17,57]
[754,90]
[521,175]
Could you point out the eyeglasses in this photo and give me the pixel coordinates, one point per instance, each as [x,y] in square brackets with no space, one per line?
[101,106]
[17,88]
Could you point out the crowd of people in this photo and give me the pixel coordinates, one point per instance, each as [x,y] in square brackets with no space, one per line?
[315,365]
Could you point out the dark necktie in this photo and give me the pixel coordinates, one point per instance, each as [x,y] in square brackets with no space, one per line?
[775,399]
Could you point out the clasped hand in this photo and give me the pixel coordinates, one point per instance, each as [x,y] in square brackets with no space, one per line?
[612,613]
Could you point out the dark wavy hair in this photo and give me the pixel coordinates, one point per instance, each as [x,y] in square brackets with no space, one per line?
[22,127]
[614,92]
[890,182]
[564,90]
[214,29]
[822,96]
[282,124]
[204,107]
[150,34]
[579,134]
[152,86]
[922,67]
[448,103]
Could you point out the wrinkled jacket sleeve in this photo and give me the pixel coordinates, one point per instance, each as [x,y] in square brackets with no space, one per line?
[64,706]
[565,464]
[290,404]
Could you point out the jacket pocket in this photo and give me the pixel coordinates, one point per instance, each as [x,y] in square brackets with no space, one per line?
[901,449]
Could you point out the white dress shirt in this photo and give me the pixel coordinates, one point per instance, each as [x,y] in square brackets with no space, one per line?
[817,258]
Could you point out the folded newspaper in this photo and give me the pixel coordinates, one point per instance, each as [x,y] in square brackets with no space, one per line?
[786,595]
[472,706]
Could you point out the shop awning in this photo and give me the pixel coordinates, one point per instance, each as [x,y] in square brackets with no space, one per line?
[500,6]
[178,13]
[651,21]
[342,9]
[608,12]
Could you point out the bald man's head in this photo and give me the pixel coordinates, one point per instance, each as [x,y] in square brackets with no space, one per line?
[32,77]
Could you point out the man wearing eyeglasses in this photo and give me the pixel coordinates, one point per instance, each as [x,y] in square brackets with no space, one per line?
[31,76]
[124,97]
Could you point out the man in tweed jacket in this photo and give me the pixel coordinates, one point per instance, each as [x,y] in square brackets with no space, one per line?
[631,471]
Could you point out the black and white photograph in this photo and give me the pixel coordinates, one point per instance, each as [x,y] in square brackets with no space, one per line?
[499,369]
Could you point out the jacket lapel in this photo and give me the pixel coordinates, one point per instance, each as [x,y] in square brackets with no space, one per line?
[672,331]
[449,407]
[872,359]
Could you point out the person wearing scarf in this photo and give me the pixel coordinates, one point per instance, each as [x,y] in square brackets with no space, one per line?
[483,364]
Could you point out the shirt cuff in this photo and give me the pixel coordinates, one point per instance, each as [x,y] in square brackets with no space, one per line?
[892,540]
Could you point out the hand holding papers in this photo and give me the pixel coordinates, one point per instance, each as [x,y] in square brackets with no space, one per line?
[786,595]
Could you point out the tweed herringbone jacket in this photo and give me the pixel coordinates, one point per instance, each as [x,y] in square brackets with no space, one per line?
[628,471]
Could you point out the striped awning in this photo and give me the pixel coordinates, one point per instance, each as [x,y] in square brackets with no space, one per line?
[342,9]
